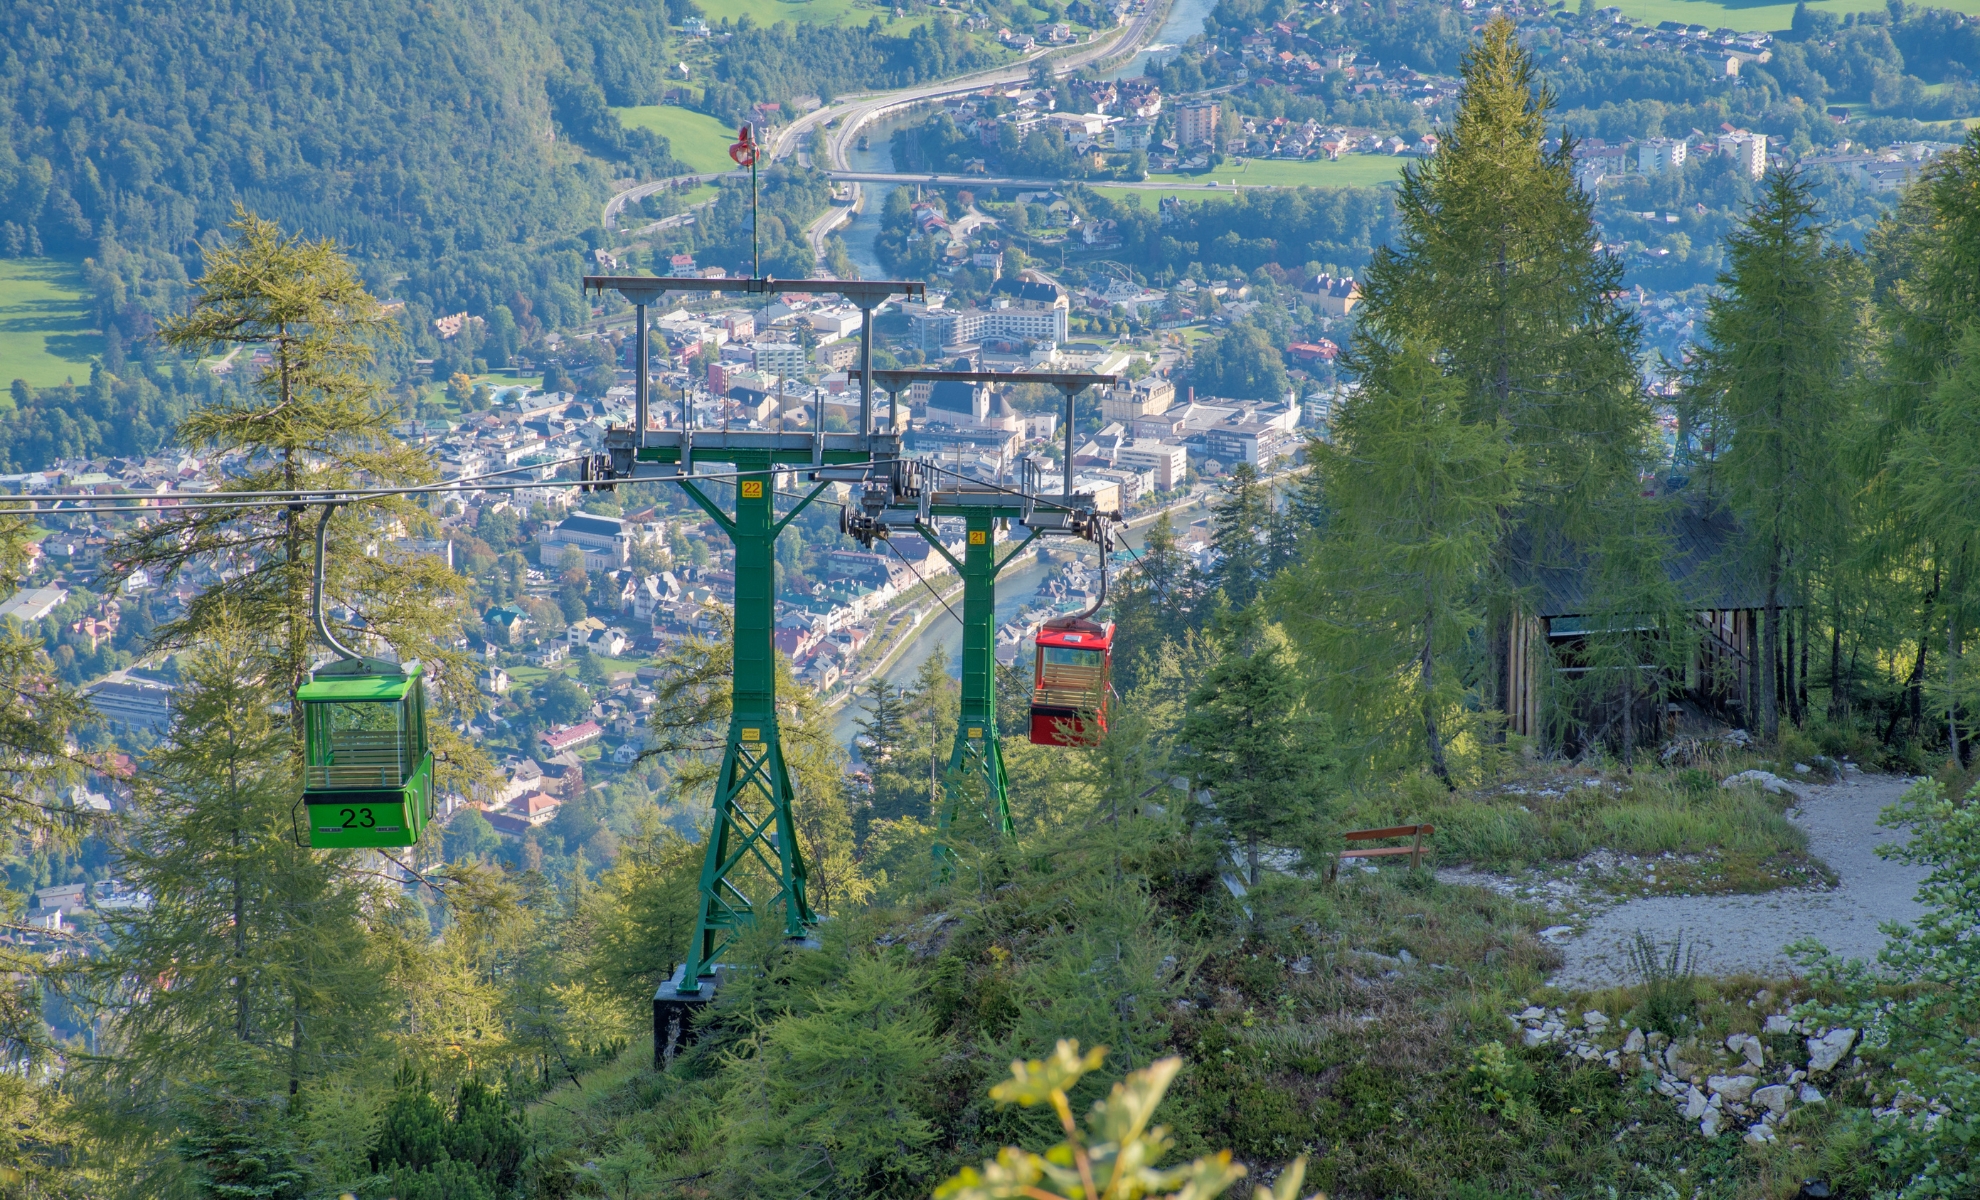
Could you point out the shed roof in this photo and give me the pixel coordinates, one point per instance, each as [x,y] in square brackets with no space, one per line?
[1703,563]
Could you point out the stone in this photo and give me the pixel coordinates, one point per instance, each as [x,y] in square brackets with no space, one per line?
[1810,1094]
[1533,1014]
[1595,1019]
[1826,1051]
[1557,933]
[1695,1104]
[1589,1052]
[1633,1044]
[1658,1040]
[1535,1037]
[1709,1124]
[1748,1047]
[1733,1088]
[1406,957]
[1774,1098]
[1675,1061]
[1613,1059]
[1778,1024]
[1766,781]
[1759,1134]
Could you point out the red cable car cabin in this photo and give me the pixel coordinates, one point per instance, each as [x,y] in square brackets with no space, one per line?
[1072,680]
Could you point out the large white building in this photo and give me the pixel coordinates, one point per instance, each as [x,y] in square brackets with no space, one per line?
[1019,312]
[1654,156]
[1748,149]
[777,358]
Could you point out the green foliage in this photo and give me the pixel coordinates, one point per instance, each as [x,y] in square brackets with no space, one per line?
[1780,348]
[830,1097]
[1116,1155]
[1499,1081]
[238,1140]
[1668,977]
[1392,593]
[1250,740]
[424,1152]
[1243,364]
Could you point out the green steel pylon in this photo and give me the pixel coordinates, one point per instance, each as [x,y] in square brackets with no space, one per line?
[977,752]
[752,817]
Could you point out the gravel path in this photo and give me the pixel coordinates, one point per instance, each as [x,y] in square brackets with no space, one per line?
[1746,933]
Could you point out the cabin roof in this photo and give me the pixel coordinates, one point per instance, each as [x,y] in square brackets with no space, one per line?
[1703,564]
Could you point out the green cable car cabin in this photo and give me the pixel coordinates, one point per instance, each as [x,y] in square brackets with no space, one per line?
[368,772]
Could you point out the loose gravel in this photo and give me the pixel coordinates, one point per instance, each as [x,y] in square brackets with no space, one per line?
[1747,934]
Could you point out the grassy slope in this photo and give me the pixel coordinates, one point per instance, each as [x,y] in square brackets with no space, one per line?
[699,140]
[44,329]
[1303,1026]
[815,12]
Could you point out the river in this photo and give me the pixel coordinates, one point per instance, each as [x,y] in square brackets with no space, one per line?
[941,633]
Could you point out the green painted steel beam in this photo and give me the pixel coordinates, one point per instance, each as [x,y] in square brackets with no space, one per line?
[977,752]
[752,862]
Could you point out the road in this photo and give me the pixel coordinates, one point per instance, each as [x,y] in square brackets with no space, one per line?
[1015,181]
[849,115]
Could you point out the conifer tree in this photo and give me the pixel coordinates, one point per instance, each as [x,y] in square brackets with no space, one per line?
[255,949]
[1779,347]
[1240,524]
[1151,605]
[1497,268]
[317,417]
[1388,601]
[1248,738]
[1925,266]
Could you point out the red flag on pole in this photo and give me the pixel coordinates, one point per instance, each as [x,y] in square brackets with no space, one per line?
[744,151]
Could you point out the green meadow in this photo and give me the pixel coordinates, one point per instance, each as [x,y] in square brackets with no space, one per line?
[45,335]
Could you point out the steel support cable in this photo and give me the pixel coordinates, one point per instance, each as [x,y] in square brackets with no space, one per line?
[924,582]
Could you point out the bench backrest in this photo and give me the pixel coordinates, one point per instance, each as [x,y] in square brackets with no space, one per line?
[1362,835]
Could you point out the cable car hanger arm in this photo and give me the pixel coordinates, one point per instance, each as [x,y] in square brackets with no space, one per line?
[322,623]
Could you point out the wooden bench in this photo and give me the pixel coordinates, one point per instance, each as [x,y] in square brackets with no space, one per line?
[1416,834]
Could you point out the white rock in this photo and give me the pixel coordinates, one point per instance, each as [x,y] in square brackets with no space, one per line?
[1766,781]
[1556,933]
[1591,1053]
[1709,1126]
[1658,1040]
[1749,1047]
[1779,1024]
[1695,1104]
[1774,1098]
[1734,1088]
[1760,1134]
[1533,1014]
[1826,1051]
[1613,1059]
[1535,1037]
[1810,1094]
[1595,1019]
[1633,1044]
[1801,768]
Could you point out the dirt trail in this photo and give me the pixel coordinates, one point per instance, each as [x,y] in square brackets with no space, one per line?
[1747,933]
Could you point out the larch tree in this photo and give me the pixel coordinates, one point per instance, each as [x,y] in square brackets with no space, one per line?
[1496,265]
[1772,379]
[316,417]
[255,950]
[1925,268]
[1388,602]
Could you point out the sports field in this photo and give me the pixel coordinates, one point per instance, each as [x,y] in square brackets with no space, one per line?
[1353,170]
[45,336]
[697,139]
[1715,14]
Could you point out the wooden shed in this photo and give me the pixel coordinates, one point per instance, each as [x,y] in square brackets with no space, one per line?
[1544,642]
